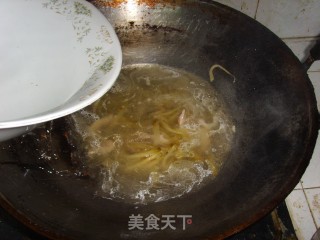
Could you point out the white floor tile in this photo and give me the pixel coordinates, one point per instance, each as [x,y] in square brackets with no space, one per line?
[311,177]
[298,186]
[300,215]
[313,197]
[248,7]
[294,18]
[301,48]
[315,79]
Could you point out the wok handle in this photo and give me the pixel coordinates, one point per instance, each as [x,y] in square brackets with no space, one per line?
[313,56]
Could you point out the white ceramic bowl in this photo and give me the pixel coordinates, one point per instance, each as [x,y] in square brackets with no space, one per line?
[57,56]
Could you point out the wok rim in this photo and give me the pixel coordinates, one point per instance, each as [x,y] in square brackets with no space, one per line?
[269,206]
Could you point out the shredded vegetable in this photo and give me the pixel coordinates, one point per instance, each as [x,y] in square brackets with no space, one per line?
[153,122]
[213,67]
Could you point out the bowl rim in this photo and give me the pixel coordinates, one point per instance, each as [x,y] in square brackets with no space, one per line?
[73,103]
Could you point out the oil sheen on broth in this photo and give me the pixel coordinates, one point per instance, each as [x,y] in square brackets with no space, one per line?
[157,134]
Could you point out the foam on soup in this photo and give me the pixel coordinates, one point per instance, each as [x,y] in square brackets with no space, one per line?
[157,134]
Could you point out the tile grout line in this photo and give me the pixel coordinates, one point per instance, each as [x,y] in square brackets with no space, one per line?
[296,224]
[312,215]
[306,38]
[255,14]
[311,188]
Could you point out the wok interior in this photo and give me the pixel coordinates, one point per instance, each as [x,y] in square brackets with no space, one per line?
[271,101]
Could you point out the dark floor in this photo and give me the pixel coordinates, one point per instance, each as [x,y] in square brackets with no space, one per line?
[275,226]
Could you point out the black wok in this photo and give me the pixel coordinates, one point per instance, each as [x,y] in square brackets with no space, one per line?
[271,101]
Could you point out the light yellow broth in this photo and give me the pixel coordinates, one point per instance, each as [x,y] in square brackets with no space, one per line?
[157,134]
